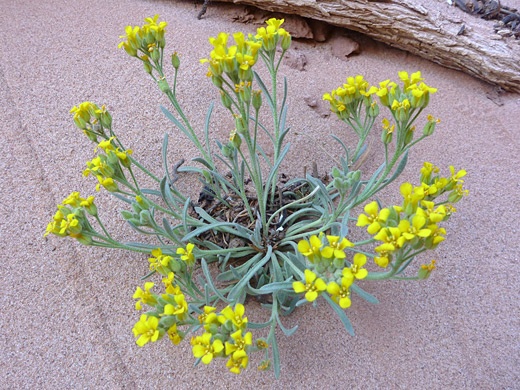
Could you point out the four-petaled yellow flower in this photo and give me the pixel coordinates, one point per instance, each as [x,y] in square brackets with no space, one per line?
[145,297]
[207,311]
[174,336]
[205,349]
[341,294]
[146,328]
[313,286]
[238,362]
[240,344]
[187,254]
[414,229]
[179,310]
[374,218]
[336,247]
[236,317]
[310,250]
[355,270]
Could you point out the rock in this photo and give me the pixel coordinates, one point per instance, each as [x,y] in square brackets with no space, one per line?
[297,26]
[342,46]
[320,30]
[310,101]
[295,59]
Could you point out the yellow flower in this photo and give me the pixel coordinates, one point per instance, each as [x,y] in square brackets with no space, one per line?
[187,254]
[179,310]
[312,249]
[411,195]
[373,218]
[207,311]
[145,297]
[146,328]
[108,183]
[240,344]
[236,317]
[435,236]
[355,270]
[159,262]
[238,362]
[455,177]
[392,236]
[385,252]
[312,286]
[173,335]
[170,288]
[341,294]
[206,350]
[336,247]
[410,231]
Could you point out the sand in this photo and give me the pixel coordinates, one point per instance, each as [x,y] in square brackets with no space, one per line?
[68,309]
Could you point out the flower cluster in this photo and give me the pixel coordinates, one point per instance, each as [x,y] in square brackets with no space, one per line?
[225,336]
[92,119]
[70,219]
[147,39]
[328,261]
[225,331]
[415,222]
[107,167]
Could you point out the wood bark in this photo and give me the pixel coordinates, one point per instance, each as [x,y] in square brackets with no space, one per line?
[423,27]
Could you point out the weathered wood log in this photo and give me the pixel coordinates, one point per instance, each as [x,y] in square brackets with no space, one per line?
[428,28]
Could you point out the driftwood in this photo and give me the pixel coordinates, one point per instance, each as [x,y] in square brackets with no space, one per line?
[428,28]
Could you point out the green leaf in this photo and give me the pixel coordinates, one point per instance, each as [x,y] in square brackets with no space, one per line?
[202,161]
[276,355]
[207,275]
[185,217]
[123,198]
[398,171]
[341,314]
[167,195]
[266,93]
[274,169]
[363,294]
[170,116]
[237,289]
[276,286]
[287,332]
[164,156]
[283,108]
[253,325]
[372,180]
[206,129]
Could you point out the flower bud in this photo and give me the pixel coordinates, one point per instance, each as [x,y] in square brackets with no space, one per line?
[217,81]
[409,135]
[430,125]
[235,139]
[83,239]
[240,126]
[286,41]
[227,151]
[386,135]
[145,218]
[373,110]
[225,99]
[257,99]
[356,176]
[426,270]
[175,60]
[163,85]
[147,67]
[106,119]
[126,214]
[174,266]
[154,53]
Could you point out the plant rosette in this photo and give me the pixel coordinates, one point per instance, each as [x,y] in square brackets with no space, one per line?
[282,242]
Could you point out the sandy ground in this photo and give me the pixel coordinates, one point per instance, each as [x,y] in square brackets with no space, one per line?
[68,309]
